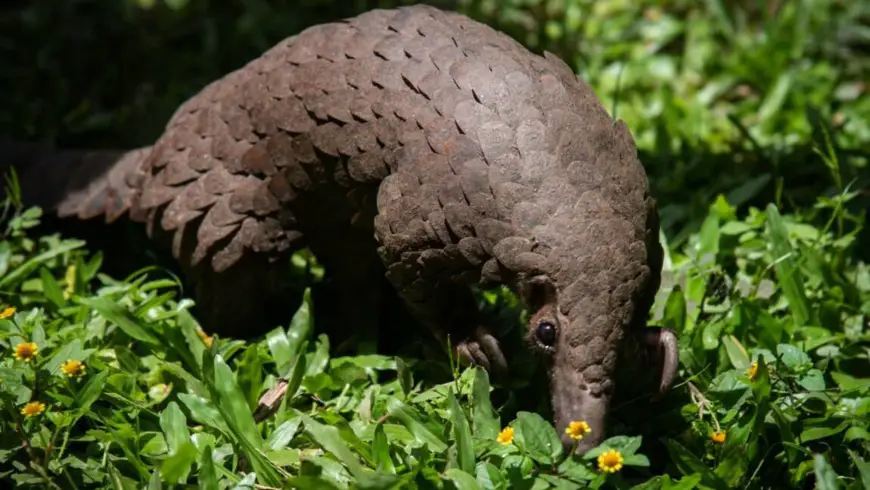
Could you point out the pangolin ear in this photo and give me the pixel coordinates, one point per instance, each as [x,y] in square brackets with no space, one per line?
[538,291]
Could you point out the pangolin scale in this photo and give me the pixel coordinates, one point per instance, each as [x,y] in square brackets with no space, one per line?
[412,142]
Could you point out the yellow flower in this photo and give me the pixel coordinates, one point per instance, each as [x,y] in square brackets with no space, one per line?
[610,461]
[577,429]
[752,371]
[33,409]
[7,312]
[506,436]
[206,339]
[718,437]
[73,368]
[26,351]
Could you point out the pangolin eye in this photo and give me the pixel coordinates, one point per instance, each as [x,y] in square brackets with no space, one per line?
[546,333]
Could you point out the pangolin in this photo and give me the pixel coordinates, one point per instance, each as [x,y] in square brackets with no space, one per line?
[415,143]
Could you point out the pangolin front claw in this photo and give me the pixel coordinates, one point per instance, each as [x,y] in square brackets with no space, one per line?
[664,356]
[483,350]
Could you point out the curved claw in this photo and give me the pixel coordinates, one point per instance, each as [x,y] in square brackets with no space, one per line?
[483,350]
[664,354]
[472,354]
[493,351]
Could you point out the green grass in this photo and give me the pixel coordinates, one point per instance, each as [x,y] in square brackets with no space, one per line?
[751,126]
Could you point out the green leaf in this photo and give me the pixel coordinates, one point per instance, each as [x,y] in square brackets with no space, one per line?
[187,325]
[306,482]
[489,477]
[461,434]
[815,433]
[91,391]
[708,237]
[174,425]
[486,420]
[624,444]
[688,463]
[813,380]
[115,313]
[746,191]
[792,356]
[370,480]
[712,332]
[675,313]
[367,362]
[407,417]
[788,274]
[204,412]
[545,480]
[768,329]
[329,438]
[282,436]
[279,346]
[850,383]
[788,437]
[689,482]
[538,437]
[176,467]
[247,483]
[381,450]
[826,478]
[762,390]
[301,326]
[857,433]
[574,470]
[461,479]
[320,359]
[232,405]
[51,288]
[736,352]
[154,482]
[207,475]
[296,375]
[637,460]
[776,97]
[120,482]
[406,382]
[656,483]
[863,468]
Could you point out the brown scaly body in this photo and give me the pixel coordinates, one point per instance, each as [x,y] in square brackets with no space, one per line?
[427,143]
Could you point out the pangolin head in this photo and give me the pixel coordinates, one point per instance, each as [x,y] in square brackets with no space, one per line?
[595,227]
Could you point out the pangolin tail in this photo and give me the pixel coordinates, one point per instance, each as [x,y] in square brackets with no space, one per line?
[78,184]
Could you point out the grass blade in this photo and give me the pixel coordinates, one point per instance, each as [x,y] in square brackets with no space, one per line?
[485,418]
[461,433]
[24,270]
[120,316]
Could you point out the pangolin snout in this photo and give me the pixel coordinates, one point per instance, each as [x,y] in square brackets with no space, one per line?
[574,403]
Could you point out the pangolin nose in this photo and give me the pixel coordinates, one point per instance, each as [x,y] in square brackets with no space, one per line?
[587,411]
